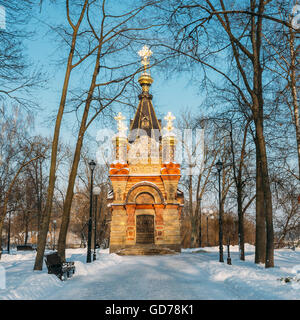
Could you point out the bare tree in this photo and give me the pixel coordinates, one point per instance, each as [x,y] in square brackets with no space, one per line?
[240,180]
[284,62]
[287,219]
[18,78]
[197,167]
[239,29]
[75,26]
[20,153]
[110,33]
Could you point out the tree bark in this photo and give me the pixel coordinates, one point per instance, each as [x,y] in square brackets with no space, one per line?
[258,115]
[70,191]
[260,227]
[26,228]
[241,225]
[269,258]
[293,86]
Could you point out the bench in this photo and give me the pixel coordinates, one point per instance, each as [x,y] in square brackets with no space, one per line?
[56,266]
[27,247]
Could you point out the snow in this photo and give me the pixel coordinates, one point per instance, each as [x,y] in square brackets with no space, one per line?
[193,274]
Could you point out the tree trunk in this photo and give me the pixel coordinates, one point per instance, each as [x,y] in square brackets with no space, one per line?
[1,230]
[241,224]
[260,229]
[26,232]
[267,196]
[200,224]
[194,232]
[239,188]
[70,191]
[52,177]
[258,115]
[42,239]
[40,198]
[192,214]
[293,86]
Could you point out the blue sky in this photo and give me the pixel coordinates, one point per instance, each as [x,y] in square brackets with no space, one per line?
[173,94]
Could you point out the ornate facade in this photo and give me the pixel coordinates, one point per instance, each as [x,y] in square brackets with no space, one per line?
[145,201]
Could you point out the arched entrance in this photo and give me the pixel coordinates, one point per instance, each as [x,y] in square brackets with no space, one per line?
[144,229]
[145,218]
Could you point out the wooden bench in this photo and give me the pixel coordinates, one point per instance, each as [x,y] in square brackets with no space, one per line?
[27,247]
[56,266]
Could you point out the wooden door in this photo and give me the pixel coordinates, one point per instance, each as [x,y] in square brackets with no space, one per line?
[144,229]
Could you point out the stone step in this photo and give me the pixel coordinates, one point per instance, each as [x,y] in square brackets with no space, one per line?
[142,251]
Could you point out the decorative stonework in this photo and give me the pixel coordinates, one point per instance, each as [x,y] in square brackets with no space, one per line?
[143,169]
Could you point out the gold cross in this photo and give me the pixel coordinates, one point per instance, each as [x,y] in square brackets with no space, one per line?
[119,117]
[145,53]
[121,127]
[169,117]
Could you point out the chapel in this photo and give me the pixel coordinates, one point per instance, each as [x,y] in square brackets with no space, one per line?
[145,201]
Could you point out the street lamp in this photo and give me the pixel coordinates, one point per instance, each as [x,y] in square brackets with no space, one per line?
[92,166]
[209,214]
[8,233]
[200,223]
[228,251]
[219,166]
[54,224]
[97,191]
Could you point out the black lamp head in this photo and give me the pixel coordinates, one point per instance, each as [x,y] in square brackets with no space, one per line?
[219,165]
[92,165]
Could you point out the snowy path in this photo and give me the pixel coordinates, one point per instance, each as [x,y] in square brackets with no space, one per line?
[147,277]
[190,275]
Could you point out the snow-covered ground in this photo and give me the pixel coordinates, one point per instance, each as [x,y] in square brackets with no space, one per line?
[193,274]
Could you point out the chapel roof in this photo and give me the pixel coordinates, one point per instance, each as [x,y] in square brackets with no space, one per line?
[145,121]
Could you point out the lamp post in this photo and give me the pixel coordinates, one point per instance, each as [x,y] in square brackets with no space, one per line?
[219,166]
[200,224]
[92,166]
[97,191]
[228,251]
[209,214]
[8,234]
[207,230]
[54,224]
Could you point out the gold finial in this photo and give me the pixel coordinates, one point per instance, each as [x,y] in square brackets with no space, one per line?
[121,126]
[169,117]
[145,79]
[145,53]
